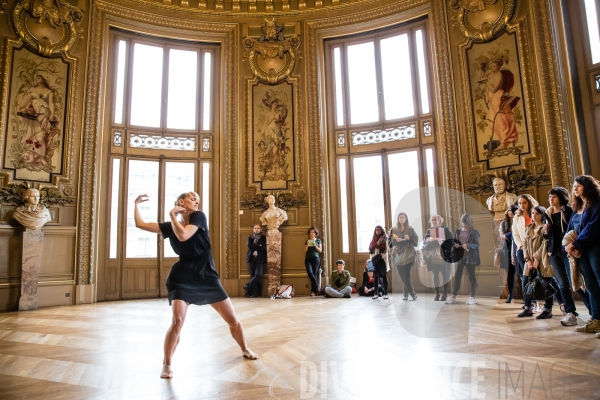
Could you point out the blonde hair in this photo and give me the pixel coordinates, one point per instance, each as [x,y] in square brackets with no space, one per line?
[183,196]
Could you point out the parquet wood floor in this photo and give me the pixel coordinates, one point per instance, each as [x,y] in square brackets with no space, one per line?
[310,348]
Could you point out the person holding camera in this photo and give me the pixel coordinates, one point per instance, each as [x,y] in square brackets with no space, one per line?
[312,247]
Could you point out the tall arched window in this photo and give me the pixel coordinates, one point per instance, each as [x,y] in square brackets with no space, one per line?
[160,129]
[380,127]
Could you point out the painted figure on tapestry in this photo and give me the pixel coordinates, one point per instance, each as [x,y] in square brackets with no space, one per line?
[497,100]
[273,135]
[36,108]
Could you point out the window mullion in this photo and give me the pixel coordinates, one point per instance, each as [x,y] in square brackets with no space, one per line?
[165,90]
[379,80]
[200,92]
[128,86]
[414,68]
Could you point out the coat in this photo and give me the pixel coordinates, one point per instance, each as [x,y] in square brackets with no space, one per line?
[432,251]
[260,248]
[472,252]
[535,247]
[566,212]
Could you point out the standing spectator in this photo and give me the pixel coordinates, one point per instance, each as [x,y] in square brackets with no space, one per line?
[468,237]
[507,240]
[535,253]
[586,223]
[377,248]
[432,256]
[403,239]
[559,215]
[312,247]
[521,221]
[340,282]
[256,259]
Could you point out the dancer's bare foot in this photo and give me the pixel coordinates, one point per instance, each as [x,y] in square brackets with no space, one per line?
[250,354]
[166,372]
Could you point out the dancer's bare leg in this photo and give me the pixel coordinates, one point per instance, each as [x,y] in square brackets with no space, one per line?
[225,309]
[172,338]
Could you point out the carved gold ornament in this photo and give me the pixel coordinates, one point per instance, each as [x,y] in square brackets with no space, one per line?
[487,31]
[272,57]
[47,27]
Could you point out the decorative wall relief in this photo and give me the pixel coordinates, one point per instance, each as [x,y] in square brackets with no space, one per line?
[272,56]
[473,25]
[37,110]
[273,135]
[47,27]
[501,134]
[516,179]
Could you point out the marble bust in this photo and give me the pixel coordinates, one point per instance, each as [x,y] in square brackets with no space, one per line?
[273,216]
[501,200]
[32,214]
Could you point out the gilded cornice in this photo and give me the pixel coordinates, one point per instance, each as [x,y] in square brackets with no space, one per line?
[102,16]
[337,8]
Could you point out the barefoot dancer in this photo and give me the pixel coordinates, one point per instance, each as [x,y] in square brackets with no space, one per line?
[193,279]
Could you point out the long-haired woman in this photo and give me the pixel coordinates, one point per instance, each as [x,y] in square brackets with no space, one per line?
[586,223]
[312,247]
[468,237]
[521,221]
[402,238]
[432,241]
[507,240]
[378,247]
[535,253]
[193,279]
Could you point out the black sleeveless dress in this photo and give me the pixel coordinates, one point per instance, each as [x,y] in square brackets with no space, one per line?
[193,278]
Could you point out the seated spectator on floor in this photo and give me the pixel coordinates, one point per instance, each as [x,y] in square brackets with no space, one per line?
[340,282]
[368,283]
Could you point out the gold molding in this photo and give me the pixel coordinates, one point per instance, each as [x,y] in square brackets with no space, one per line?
[274,45]
[62,181]
[487,31]
[55,15]
[103,16]
[534,160]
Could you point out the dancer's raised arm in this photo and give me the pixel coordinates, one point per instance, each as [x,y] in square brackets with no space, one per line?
[137,216]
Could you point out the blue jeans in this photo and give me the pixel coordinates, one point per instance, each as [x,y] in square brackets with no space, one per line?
[589,265]
[520,264]
[562,272]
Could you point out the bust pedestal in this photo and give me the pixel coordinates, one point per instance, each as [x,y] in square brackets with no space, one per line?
[274,260]
[30,268]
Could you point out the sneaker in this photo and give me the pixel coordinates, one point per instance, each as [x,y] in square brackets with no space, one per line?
[413,295]
[346,296]
[443,298]
[597,335]
[569,320]
[436,298]
[451,300]
[592,326]
[405,297]
[312,294]
[536,307]
[375,297]
[544,315]
[525,313]
[471,301]
[385,296]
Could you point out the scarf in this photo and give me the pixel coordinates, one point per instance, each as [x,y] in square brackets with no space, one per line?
[256,237]
[375,242]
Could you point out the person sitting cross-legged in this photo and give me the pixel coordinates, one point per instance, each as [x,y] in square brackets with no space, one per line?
[340,282]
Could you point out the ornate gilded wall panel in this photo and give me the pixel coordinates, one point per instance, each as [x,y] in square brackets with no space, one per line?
[105,15]
[527,122]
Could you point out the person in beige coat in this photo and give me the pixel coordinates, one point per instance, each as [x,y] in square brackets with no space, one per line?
[535,253]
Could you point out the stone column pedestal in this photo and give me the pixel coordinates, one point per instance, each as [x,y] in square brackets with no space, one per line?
[30,268]
[274,260]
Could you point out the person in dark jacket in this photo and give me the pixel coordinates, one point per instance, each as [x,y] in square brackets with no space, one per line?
[256,259]
[468,237]
[434,237]
[507,242]
[378,247]
[558,216]
[586,223]
[368,287]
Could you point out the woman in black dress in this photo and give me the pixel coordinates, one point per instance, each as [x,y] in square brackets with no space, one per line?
[193,279]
